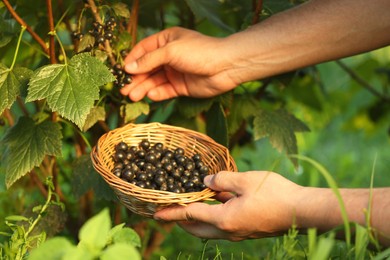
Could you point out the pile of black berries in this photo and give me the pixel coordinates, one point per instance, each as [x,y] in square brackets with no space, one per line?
[156,167]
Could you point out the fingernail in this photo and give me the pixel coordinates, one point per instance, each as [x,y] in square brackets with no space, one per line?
[207,180]
[131,66]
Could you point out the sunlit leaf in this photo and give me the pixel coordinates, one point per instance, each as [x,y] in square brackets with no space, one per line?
[131,111]
[96,114]
[120,251]
[121,9]
[26,144]
[128,236]
[12,83]
[70,89]
[94,233]
[54,248]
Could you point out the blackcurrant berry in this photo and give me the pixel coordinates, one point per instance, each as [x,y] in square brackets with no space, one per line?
[144,144]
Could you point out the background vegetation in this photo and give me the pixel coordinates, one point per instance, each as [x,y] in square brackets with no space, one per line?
[49,190]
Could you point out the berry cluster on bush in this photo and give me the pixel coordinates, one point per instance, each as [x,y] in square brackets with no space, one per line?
[122,77]
[159,168]
[98,35]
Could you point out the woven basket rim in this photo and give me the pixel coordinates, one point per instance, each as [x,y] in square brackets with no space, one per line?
[149,195]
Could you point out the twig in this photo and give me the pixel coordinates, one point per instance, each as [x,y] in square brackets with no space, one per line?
[53,59]
[258,8]
[57,187]
[104,125]
[28,28]
[7,114]
[98,19]
[34,177]
[132,28]
[361,81]
[22,106]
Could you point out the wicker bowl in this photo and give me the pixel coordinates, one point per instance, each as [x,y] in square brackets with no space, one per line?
[146,202]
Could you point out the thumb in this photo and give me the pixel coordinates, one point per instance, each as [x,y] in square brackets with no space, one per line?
[226,181]
[148,62]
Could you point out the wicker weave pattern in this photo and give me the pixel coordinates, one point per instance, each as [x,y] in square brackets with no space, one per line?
[146,202]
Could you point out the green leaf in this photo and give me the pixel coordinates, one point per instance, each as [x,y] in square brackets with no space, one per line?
[12,83]
[279,126]
[208,9]
[216,126]
[124,41]
[8,30]
[120,252]
[243,107]
[70,89]
[131,111]
[94,233]
[127,236]
[85,178]
[121,9]
[190,107]
[78,253]
[52,249]
[16,218]
[86,42]
[95,114]
[26,144]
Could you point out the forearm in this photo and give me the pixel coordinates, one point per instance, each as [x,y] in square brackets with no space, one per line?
[314,32]
[320,208]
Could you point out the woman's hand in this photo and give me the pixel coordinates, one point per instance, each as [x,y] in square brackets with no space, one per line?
[254,204]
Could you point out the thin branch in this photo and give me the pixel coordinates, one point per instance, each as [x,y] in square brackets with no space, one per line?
[134,22]
[22,106]
[28,28]
[34,177]
[98,19]
[104,125]
[7,114]
[361,81]
[53,59]
[258,8]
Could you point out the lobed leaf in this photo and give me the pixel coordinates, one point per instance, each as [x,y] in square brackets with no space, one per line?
[190,107]
[54,248]
[209,10]
[95,114]
[131,111]
[94,233]
[216,126]
[70,89]
[127,236]
[85,178]
[26,144]
[12,84]
[279,126]
[120,251]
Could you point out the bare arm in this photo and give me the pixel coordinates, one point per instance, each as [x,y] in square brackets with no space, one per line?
[312,33]
[266,204]
[179,62]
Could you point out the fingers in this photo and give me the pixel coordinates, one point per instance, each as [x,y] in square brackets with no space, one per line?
[148,62]
[203,230]
[226,181]
[195,211]
[141,86]
[224,196]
